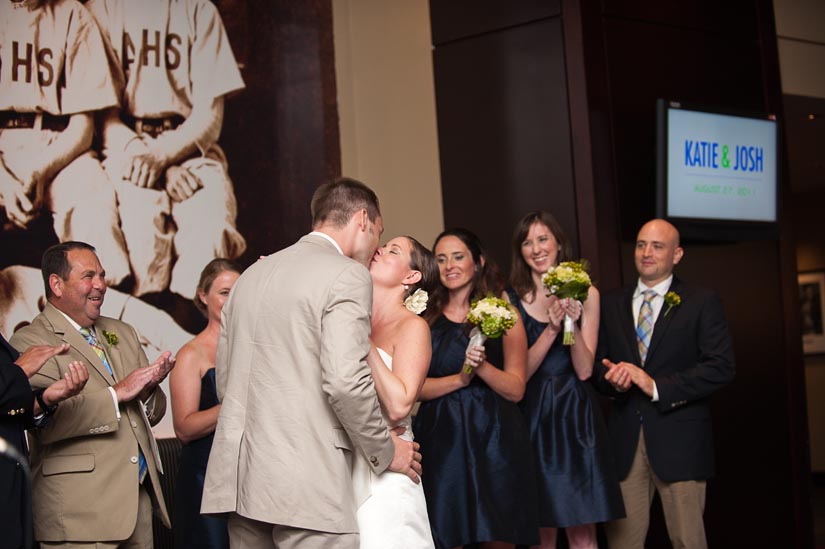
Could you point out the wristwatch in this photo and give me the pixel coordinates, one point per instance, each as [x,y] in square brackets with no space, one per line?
[46,410]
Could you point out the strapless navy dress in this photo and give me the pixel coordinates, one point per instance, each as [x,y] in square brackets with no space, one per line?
[192,530]
[576,480]
[479,479]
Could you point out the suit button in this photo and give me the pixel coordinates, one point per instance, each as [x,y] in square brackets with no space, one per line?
[134,424]
[374,461]
[133,459]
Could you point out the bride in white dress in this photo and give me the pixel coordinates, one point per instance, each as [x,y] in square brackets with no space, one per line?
[394,513]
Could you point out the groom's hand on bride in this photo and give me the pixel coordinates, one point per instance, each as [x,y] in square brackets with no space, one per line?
[407,459]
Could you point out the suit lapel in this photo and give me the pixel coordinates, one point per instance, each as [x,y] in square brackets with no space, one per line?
[112,351]
[67,332]
[629,322]
[662,322]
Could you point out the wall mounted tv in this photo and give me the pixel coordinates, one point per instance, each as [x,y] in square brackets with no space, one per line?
[716,172]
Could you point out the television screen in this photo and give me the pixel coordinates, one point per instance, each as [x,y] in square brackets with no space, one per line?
[716,172]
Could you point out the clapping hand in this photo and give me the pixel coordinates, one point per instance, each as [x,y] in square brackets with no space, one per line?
[37,355]
[68,386]
[624,374]
[142,381]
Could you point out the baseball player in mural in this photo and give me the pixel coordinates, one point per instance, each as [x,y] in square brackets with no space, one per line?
[53,77]
[177,205]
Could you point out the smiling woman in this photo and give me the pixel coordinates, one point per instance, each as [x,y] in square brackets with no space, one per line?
[459,410]
[557,406]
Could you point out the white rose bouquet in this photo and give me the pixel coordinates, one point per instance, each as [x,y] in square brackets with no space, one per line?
[568,279]
[492,317]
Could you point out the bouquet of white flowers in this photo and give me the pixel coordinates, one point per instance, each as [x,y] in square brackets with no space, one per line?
[492,317]
[568,279]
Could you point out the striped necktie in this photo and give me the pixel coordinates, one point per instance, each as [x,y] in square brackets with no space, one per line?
[92,340]
[644,328]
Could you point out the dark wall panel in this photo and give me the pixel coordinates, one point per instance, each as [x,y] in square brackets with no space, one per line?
[455,19]
[734,18]
[647,61]
[504,136]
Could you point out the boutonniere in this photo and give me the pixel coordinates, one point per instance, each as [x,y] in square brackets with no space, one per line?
[673,300]
[111,337]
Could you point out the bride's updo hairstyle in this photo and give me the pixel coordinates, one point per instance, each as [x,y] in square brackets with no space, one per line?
[423,261]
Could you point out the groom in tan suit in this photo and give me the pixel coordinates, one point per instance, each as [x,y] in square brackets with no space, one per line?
[95,464]
[298,401]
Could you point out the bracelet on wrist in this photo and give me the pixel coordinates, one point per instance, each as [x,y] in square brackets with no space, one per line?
[45,409]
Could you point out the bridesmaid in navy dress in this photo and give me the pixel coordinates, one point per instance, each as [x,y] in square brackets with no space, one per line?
[577,482]
[195,410]
[479,478]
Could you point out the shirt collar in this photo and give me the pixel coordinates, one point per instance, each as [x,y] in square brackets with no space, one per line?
[74,324]
[661,288]
[326,236]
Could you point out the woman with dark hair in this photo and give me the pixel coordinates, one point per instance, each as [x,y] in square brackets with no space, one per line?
[195,410]
[576,479]
[394,513]
[479,477]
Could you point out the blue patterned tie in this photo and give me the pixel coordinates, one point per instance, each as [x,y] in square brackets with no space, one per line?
[644,328]
[92,340]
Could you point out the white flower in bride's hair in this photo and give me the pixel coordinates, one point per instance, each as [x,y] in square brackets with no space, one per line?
[417,302]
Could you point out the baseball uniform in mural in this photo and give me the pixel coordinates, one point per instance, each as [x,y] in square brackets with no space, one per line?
[53,76]
[177,204]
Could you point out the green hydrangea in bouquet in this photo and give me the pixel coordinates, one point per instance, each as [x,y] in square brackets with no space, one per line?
[492,317]
[568,279]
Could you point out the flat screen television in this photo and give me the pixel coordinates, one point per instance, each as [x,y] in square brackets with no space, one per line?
[716,172]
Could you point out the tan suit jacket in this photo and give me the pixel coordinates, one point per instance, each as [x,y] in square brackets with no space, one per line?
[298,400]
[84,461]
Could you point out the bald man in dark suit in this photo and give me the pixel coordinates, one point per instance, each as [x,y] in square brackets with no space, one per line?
[664,348]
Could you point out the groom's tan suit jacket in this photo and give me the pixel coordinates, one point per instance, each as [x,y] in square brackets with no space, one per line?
[298,401]
[85,460]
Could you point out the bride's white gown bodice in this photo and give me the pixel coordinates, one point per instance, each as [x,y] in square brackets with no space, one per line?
[393,514]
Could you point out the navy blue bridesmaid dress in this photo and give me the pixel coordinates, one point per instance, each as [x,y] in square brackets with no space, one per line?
[577,481]
[479,479]
[192,530]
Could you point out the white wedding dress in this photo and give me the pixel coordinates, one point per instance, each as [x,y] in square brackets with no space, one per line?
[394,513]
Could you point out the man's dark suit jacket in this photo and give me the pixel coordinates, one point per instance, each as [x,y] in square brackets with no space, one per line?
[16,403]
[690,356]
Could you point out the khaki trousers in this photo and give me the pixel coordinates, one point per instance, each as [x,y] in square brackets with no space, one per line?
[245,533]
[683,503]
